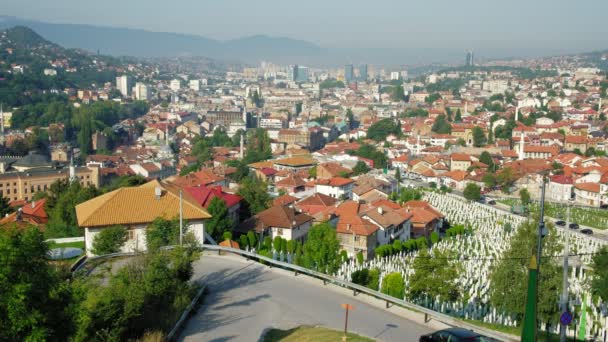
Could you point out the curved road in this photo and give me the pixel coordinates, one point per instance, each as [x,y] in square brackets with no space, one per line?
[247,298]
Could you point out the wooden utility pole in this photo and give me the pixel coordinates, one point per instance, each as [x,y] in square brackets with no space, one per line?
[347,308]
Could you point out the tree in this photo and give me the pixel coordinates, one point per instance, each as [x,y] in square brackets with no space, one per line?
[489,180]
[220,220]
[350,118]
[505,178]
[380,130]
[35,303]
[599,282]
[509,277]
[5,208]
[243,241]
[360,168]
[441,125]
[398,176]
[252,239]
[397,93]
[360,258]
[524,196]
[360,277]
[321,249]
[312,172]
[393,285]
[486,158]
[161,233]
[479,138]
[109,240]
[434,277]
[255,195]
[458,117]
[472,192]
[374,279]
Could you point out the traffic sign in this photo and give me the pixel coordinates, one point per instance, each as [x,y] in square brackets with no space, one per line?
[565,318]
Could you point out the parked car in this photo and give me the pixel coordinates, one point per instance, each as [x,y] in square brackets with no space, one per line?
[560,223]
[587,231]
[492,202]
[454,335]
[573,226]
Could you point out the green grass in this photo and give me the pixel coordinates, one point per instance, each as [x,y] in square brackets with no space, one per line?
[310,334]
[77,244]
[516,331]
[590,217]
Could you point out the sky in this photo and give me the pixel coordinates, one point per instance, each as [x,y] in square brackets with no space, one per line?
[489,27]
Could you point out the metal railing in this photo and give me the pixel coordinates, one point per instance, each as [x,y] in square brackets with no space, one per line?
[174,333]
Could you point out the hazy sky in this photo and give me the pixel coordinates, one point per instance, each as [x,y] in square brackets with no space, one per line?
[496,27]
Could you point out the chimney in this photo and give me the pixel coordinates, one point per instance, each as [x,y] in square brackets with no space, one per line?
[293,223]
[348,226]
[19,216]
[33,204]
[380,210]
[158,192]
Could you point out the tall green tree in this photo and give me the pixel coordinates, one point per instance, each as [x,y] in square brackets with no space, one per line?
[162,232]
[599,282]
[472,192]
[479,137]
[360,168]
[434,276]
[35,303]
[486,158]
[524,196]
[397,93]
[220,221]
[380,130]
[321,249]
[509,276]
[255,195]
[441,126]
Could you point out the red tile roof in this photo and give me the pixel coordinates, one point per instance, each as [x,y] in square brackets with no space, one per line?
[203,195]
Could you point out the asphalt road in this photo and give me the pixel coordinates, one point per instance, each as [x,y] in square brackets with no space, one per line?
[247,298]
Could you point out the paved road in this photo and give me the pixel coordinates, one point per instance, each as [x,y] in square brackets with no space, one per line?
[247,298]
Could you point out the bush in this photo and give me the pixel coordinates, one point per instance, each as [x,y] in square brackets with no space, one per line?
[267,243]
[434,237]
[276,244]
[397,246]
[361,277]
[421,243]
[253,239]
[393,285]
[227,235]
[109,240]
[360,258]
[343,256]
[291,246]
[373,280]
[244,242]
[284,246]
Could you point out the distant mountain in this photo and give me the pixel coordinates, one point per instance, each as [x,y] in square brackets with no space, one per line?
[141,43]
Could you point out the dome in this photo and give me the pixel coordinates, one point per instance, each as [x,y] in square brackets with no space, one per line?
[32,160]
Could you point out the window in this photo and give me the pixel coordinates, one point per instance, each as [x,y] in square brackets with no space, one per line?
[357,238]
[279,231]
[132,233]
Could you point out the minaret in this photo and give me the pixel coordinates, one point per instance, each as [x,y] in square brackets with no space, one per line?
[599,111]
[521,146]
[242,153]
[517,113]
[418,144]
[466,107]
[167,134]
[72,169]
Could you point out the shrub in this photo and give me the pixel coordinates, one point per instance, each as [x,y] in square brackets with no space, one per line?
[276,244]
[360,258]
[252,238]
[291,246]
[373,280]
[397,246]
[109,240]
[421,243]
[361,277]
[393,285]
[267,243]
[227,235]
[244,242]
[284,246]
[434,237]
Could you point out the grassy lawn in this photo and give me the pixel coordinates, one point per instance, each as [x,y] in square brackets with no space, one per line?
[591,217]
[77,244]
[542,336]
[310,334]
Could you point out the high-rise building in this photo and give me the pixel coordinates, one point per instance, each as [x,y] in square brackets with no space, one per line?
[175,85]
[123,84]
[363,72]
[395,75]
[195,85]
[301,74]
[292,72]
[469,61]
[349,73]
[141,91]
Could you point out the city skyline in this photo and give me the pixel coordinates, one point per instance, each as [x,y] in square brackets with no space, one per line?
[350,28]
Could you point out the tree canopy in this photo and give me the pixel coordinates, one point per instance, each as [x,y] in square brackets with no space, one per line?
[321,249]
[380,130]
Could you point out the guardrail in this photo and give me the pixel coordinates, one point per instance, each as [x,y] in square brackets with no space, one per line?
[173,334]
[66,240]
[428,313]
